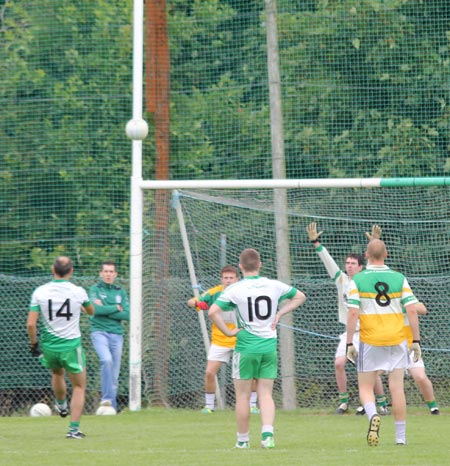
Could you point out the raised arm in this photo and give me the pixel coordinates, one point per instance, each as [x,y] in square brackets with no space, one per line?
[374,234]
[329,263]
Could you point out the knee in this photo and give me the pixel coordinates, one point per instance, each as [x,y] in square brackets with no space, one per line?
[339,364]
[106,360]
[420,379]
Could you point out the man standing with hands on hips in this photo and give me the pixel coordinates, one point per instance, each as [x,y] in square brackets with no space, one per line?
[259,304]
[376,298]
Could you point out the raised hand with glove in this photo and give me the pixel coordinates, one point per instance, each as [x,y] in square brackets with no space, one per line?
[312,232]
[375,234]
[201,306]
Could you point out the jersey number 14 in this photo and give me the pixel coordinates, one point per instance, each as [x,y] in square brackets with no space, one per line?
[63,311]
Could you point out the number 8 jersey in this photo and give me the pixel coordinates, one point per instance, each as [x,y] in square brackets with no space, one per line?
[59,303]
[255,300]
[380,294]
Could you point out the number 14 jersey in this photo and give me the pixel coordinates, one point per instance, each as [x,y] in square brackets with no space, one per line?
[59,303]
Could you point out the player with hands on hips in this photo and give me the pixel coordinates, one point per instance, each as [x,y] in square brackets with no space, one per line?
[259,304]
[354,263]
[222,346]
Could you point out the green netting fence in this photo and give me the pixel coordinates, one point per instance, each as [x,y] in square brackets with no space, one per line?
[364,93]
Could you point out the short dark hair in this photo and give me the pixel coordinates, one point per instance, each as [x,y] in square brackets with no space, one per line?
[359,257]
[62,266]
[108,262]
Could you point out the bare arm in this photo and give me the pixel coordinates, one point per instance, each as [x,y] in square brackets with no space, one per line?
[192,302]
[215,314]
[413,319]
[289,306]
[352,320]
[421,309]
[32,326]
[88,309]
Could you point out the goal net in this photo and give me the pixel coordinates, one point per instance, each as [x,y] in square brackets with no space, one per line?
[221,223]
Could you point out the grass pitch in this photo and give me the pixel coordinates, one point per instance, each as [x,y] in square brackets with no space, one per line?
[185,437]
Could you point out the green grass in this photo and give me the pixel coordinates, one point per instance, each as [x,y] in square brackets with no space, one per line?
[186,437]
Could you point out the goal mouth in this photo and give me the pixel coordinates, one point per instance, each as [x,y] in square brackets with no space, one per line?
[220,223]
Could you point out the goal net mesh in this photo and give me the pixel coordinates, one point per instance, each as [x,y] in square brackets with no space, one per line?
[415,226]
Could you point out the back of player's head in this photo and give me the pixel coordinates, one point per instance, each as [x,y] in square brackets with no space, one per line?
[376,250]
[62,266]
[359,257]
[250,260]
[229,269]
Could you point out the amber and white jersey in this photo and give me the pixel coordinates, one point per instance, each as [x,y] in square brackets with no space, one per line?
[380,295]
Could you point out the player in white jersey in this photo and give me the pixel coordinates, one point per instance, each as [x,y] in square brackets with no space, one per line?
[354,263]
[60,303]
[255,300]
[417,369]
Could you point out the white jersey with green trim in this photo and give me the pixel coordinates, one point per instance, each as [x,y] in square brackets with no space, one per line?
[256,300]
[60,305]
[341,280]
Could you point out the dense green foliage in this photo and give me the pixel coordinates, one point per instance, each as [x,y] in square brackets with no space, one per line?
[365,93]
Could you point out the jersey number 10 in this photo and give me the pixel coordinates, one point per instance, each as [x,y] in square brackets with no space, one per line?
[255,308]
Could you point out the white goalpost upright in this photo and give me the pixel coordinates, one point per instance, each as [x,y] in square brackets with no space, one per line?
[136,129]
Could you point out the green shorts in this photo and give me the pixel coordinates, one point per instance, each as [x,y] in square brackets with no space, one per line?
[73,361]
[255,365]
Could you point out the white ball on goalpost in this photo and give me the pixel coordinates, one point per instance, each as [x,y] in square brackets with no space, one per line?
[137,129]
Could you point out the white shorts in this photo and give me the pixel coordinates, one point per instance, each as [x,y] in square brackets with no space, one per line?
[382,358]
[413,365]
[341,350]
[220,353]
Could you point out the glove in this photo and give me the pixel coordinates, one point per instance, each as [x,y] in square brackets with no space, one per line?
[415,351]
[312,232]
[35,350]
[375,234]
[351,353]
[201,305]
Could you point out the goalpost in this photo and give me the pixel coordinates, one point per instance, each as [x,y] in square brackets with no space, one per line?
[356,207]
[342,220]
